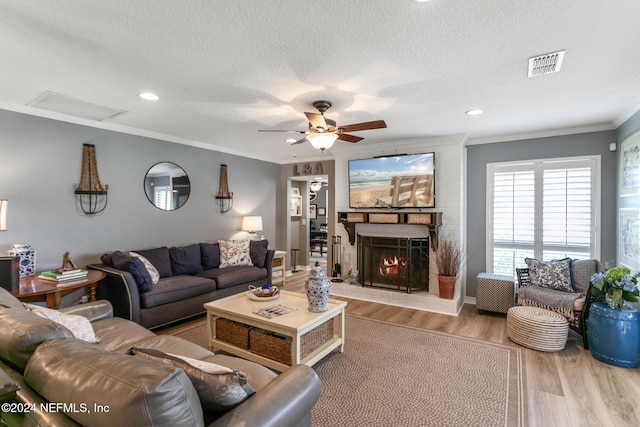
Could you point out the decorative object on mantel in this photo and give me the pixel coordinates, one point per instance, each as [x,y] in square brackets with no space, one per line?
[448,261]
[433,221]
[251,224]
[224,196]
[4,207]
[27,256]
[318,288]
[90,193]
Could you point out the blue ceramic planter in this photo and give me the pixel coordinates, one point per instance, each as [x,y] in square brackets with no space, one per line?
[614,335]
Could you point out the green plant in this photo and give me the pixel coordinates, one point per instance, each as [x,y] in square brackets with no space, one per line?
[448,257]
[617,284]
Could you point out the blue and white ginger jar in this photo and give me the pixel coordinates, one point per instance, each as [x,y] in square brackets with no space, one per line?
[318,288]
[27,257]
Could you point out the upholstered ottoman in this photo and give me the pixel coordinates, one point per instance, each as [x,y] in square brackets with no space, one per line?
[537,328]
[494,292]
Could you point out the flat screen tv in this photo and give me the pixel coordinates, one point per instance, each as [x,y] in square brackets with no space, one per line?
[400,181]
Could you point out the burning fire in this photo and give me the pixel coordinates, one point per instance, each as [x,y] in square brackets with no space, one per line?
[393,266]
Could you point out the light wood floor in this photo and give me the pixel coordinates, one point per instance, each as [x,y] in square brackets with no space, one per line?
[565,389]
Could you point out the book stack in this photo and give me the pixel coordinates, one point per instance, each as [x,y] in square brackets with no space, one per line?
[62,277]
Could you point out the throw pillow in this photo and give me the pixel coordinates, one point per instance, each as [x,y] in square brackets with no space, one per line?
[134,266]
[186,260]
[79,326]
[234,253]
[210,253]
[258,250]
[554,274]
[160,259]
[219,388]
[153,272]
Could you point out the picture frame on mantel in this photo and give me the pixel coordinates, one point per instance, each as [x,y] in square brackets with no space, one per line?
[313,211]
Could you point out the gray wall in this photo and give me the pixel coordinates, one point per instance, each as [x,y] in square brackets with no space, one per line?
[40,161]
[596,143]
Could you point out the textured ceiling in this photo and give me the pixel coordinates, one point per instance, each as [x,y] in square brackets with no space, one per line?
[225,69]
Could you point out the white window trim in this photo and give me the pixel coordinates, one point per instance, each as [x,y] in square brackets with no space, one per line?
[516,166]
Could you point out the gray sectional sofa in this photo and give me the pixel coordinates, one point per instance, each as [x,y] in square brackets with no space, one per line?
[189,276]
[110,383]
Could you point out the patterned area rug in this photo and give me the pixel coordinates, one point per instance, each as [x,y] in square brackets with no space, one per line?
[392,375]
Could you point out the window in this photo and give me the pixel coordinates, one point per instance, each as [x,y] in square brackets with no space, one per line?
[545,209]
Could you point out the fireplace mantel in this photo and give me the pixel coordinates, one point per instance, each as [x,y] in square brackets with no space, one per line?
[432,220]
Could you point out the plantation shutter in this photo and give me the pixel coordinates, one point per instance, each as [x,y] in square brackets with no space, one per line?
[543,209]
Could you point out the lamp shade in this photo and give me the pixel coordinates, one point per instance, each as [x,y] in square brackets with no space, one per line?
[322,141]
[252,223]
[4,206]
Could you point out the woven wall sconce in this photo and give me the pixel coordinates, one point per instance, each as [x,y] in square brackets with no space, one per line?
[224,196]
[90,194]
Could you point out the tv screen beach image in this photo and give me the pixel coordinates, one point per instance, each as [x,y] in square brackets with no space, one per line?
[393,181]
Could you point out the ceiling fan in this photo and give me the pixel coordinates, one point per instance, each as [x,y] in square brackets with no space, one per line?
[323,132]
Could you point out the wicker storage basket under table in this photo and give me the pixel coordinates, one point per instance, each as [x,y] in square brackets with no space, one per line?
[233,332]
[537,328]
[278,347]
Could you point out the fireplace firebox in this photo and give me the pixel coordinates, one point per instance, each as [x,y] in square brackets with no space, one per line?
[398,263]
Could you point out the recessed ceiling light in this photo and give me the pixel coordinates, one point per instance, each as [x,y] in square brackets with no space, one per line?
[474,112]
[290,140]
[422,1]
[149,96]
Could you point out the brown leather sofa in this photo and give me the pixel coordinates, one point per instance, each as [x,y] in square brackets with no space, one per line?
[189,277]
[67,381]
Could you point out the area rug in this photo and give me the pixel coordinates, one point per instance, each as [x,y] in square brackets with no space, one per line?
[391,375]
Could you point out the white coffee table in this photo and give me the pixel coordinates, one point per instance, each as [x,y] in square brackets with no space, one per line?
[292,327]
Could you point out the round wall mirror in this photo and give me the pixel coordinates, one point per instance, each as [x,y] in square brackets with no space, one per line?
[167,186]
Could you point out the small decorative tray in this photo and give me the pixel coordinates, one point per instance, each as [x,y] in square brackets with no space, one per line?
[264,293]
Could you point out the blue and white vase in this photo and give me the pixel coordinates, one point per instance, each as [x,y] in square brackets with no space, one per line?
[318,288]
[27,257]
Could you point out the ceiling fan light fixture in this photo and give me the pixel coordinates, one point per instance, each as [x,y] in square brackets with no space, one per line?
[322,141]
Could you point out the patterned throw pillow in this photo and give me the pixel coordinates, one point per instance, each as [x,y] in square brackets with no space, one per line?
[79,326]
[218,387]
[234,253]
[554,274]
[153,272]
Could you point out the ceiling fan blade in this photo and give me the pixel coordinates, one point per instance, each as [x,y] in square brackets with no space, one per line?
[349,138]
[276,130]
[300,141]
[378,124]
[316,120]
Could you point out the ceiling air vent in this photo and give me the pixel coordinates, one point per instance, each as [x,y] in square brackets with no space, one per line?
[65,104]
[545,64]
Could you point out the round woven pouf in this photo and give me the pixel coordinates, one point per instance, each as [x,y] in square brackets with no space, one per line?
[537,328]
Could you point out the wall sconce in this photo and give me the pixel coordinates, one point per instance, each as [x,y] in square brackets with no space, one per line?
[4,206]
[252,224]
[91,195]
[224,196]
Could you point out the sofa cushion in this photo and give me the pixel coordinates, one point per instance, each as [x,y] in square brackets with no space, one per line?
[112,338]
[160,259]
[7,300]
[555,274]
[79,326]
[232,276]
[153,272]
[176,288]
[210,253]
[582,270]
[175,345]
[137,392]
[259,376]
[258,251]
[219,388]
[186,260]
[234,253]
[22,332]
[550,298]
[135,266]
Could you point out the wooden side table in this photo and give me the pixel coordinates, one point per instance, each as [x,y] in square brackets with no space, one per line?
[33,289]
[278,267]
